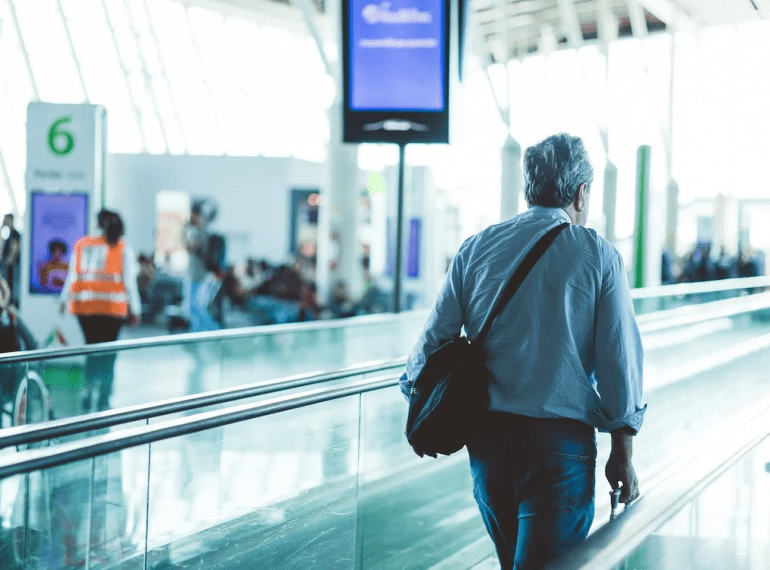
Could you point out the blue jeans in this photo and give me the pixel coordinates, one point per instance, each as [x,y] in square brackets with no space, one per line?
[200,318]
[534,483]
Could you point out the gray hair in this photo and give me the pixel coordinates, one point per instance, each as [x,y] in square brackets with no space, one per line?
[554,169]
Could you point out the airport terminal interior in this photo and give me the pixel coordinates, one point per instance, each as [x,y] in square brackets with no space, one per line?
[291,180]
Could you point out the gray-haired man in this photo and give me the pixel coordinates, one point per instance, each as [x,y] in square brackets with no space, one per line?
[565,358]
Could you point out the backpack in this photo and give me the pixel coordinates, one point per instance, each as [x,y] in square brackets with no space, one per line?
[216,252]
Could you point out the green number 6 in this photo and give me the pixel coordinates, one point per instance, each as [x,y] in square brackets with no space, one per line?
[55,134]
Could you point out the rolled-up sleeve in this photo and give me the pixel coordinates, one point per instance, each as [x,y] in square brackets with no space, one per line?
[444,322]
[619,352]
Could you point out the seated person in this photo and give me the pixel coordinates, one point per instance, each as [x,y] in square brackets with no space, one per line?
[145,275]
[341,304]
[279,296]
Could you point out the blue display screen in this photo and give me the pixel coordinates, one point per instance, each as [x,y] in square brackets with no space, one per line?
[397,55]
[58,221]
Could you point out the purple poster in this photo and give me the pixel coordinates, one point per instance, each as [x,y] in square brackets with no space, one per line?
[58,221]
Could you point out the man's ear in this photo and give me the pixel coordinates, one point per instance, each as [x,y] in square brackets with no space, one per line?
[581,198]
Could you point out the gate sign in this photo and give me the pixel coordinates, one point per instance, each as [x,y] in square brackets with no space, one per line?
[396,63]
[64,147]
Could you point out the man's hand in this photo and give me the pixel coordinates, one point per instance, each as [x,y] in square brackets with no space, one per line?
[133,320]
[619,469]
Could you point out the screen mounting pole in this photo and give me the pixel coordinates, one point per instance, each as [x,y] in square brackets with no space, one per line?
[397,278]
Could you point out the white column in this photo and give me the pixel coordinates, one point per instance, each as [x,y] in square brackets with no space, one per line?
[726,225]
[672,215]
[512,179]
[339,257]
[610,199]
[338,250]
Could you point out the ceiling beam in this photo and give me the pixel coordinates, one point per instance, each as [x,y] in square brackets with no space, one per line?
[606,25]
[503,34]
[265,12]
[670,12]
[638,19]
[570,23]
[547,43]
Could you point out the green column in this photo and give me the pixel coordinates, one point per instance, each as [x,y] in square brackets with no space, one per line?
[642,194]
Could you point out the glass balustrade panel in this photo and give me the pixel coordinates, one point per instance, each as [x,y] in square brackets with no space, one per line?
[279,489]
[116,379]
[726,526]
[413,512]
[12,520]
[89,513]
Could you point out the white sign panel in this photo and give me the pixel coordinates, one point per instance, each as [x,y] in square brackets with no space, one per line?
[65,181]
[64,147]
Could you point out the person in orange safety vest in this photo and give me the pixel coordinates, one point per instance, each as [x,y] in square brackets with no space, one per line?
[101,291]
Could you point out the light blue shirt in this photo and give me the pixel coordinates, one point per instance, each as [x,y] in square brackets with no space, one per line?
[567,344]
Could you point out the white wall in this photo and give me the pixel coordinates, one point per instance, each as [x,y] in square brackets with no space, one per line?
[253,194]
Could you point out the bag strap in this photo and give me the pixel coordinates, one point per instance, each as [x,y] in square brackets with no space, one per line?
[518,277]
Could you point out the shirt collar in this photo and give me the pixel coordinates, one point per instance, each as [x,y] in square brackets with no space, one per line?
[544,212]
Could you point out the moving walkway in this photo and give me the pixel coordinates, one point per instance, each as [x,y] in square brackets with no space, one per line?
[313,470]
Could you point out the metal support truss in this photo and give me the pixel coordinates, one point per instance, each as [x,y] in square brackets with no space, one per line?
[575,35]
[24,51]
[204,79]
[124,69]
[147,79]
[164,75]
[72,50]
[308,14]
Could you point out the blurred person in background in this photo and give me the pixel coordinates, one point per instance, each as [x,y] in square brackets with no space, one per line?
[698,265]
[145,276]
[10,257]
[279,295]
[255,272]
[668,269]
[724,266]
[196,298]
[14,337]
[748,264]
[309,309]
[14,334]
[101,291]
[341,304]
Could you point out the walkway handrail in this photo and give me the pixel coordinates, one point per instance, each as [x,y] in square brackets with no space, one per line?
[26,434]
[674,488]
[692,314]
[363,320]
[50,457]
[208,336]
[716,286]
[33,433]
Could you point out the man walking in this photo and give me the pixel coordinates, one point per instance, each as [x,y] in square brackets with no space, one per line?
[197,297]
[564,357]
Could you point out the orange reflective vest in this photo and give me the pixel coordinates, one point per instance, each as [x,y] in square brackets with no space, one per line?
[98,286]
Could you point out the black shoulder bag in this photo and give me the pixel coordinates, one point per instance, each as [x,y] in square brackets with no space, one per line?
[450,394]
